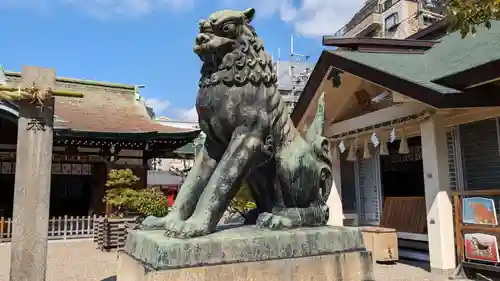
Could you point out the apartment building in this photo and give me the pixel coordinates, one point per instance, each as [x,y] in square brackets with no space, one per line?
[396,19]
[292,78]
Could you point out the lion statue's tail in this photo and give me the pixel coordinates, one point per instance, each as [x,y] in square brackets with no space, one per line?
[321,147]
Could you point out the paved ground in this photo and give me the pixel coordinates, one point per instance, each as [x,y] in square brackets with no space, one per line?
[81,261]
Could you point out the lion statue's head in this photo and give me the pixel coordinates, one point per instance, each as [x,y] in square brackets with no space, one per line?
[231,50]
[223,32]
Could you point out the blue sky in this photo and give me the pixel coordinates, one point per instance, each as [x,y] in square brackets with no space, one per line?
[150,42]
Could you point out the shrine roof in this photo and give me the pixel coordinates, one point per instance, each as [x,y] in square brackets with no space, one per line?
[449,73]
[107,109]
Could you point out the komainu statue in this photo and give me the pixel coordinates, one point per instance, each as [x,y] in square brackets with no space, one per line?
[249,139]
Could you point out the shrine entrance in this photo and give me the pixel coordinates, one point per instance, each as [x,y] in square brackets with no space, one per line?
[403,193]
[8,140]
[70,182]
[402,174]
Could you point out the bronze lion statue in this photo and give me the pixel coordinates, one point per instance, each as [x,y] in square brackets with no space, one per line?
[250,139]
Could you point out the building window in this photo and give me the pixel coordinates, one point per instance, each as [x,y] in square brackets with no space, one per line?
[391,21]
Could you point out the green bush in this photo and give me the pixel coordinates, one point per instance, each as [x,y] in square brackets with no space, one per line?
[242,202]
[151,202]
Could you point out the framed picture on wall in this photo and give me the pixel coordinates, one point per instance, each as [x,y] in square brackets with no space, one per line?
[6,168]
[56,168]
[76,169]
[481,247]
[479,210]
[86,169]
[66,169]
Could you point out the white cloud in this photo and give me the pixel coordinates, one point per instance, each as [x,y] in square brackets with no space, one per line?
[309,17]
[188,114]
[163,107]
[103,9]
[158,105]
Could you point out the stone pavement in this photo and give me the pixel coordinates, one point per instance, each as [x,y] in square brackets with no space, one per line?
[79,260]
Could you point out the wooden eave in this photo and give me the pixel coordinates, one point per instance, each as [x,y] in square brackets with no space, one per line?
[379,44]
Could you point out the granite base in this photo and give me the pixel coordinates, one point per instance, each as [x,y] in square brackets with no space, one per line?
[246,254]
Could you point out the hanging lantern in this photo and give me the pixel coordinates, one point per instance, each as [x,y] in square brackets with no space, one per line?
[383,147]
[366,150]
[352,151]
[403,146]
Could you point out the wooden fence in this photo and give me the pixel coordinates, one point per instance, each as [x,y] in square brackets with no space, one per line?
[111,233]
[59,228]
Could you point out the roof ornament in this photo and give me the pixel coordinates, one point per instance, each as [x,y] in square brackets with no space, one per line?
[3,79]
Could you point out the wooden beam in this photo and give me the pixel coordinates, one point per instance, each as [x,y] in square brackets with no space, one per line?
[340,98]
[376,117]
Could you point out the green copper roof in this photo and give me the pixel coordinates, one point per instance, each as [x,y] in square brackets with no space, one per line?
[411,67]
[186,149]
[454,54]
[451,55]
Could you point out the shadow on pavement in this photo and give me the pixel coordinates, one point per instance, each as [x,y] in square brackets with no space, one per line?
[110,278]
[423,265]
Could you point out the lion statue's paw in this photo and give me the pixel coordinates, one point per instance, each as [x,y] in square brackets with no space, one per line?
[156,223]
[186,229]
[274,221]
[152,223]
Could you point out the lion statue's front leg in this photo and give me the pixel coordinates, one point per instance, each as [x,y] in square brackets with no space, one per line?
[222,186]
[190,191]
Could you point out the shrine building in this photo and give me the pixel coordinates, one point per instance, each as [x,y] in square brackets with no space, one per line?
[411,122]
[109,128]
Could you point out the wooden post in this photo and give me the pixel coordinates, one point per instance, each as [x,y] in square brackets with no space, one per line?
[458,226]
[2,222]
[32,186]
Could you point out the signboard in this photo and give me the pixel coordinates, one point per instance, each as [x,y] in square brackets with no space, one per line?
[479,210]
[481,247]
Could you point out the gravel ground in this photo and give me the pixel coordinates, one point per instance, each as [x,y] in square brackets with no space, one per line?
[79,260]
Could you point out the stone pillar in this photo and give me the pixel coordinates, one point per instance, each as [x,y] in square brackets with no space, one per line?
[334,202]
[32,186]
[438,195]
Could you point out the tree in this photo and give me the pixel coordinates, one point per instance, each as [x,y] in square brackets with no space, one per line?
[122,196]
[466,15]
[120,193]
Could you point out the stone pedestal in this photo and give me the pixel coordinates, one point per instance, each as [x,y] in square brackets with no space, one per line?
[248,253]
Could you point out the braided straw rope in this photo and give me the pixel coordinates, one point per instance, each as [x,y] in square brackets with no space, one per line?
[33,94]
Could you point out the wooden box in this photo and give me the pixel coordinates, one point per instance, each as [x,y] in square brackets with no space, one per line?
[381,242]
